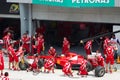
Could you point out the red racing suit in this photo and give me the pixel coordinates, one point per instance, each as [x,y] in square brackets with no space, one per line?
[26,41]
[40,45]
[5,78]
[20,52]
[49,64]
[1,61]
[109,55]
[52,52]
[100,60]
[83,70]
[88,47]
[105,44]
[12,54]
[67,69]
[66,47]
[6,40]
[34,65]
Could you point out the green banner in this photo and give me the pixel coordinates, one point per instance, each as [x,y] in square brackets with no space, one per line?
[76,3]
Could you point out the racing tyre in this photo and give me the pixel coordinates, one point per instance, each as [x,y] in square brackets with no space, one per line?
[89,66]
[23,66]
[99,71]
[40,63]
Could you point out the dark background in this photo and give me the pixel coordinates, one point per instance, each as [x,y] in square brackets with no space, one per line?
[5,7]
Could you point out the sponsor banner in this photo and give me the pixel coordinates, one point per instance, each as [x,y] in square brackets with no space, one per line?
[76,3]
[8,8]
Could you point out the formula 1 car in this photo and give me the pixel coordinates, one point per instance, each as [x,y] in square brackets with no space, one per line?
[76,61]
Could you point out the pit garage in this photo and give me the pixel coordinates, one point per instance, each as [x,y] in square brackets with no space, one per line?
[75,23]
[9,19]
[10,24]
[54,31]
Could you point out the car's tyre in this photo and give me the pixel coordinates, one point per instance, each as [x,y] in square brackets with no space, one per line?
[114,69]
[89,66]
[40,63]
[99,71]
[23,66]
[57,66]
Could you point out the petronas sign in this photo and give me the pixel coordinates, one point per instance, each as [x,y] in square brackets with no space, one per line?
[76,3]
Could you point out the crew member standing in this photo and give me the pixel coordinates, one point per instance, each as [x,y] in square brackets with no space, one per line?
[19,54]
[109,57]
[88,47]
[25,42]
[116,43]
[1,63]
[105,44]
[11,56]
[40,43]
[6,40]
[66,46]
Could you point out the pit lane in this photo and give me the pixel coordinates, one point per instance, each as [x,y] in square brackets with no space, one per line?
[58,75]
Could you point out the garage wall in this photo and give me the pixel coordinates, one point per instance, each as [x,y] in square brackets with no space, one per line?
[117,3]
[108,15]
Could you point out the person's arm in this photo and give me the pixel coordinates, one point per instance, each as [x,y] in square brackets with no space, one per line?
[43,46]
[118,41]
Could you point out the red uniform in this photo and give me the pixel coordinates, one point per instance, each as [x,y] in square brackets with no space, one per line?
[40,44]
[12,54]
[49,64]
[5,78]
[105,44]
[34,65]
[20,51]
[67,69]
[11,59]
[1,61]
[66,46]
[100,60]
[83,70]
[109,55]
[6,40]
[26,41]
[52,52]
[88,47]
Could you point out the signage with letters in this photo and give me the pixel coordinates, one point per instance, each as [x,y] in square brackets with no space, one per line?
[76,3]
[8,8]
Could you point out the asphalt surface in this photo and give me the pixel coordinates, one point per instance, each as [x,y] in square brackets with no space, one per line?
[58,75]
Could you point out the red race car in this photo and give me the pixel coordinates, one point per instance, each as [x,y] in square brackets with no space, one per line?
[76,61]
